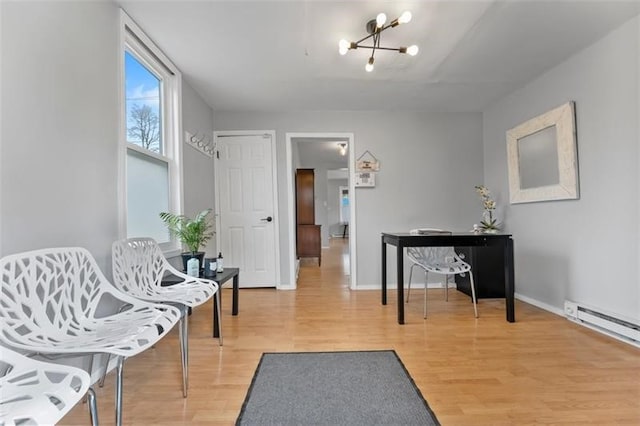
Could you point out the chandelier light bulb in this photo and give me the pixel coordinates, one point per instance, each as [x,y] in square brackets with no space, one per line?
[405,17]
[369,66]
[343,46]
[412,50]
[375,28]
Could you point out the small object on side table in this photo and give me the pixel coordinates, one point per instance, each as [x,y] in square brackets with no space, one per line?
[219,268]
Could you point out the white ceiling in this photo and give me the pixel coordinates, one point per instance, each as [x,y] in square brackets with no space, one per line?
[283,55]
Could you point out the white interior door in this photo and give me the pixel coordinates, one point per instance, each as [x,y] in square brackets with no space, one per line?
[247,220]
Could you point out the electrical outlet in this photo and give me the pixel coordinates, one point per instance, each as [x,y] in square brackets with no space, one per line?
[571,309]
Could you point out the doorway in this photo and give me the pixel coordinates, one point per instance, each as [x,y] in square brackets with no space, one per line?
[322,152]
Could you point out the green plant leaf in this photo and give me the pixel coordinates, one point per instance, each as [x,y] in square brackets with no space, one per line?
[193,233]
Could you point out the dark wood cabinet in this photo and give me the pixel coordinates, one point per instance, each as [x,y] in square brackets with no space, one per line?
[305,194]
[487,265]
[309,241]
[307,232]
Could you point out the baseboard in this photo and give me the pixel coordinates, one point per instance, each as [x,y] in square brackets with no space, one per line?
[392,286]
[540,304]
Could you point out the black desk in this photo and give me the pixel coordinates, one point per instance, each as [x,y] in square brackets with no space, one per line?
[464,239]
[221,278]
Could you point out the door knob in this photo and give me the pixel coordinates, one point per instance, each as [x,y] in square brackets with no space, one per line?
[267,219]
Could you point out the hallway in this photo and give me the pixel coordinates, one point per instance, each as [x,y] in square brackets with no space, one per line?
[334,271]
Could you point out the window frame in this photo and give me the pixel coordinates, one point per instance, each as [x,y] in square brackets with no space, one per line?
[137,43]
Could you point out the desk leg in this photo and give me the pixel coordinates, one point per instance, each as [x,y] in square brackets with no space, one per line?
[400,290]
[216,325]
[384,272]
[234,309]
[509,280]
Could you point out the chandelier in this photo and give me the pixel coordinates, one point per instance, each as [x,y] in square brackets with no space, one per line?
[375,27]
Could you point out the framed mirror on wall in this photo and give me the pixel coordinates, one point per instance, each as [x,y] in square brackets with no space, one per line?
[542,157]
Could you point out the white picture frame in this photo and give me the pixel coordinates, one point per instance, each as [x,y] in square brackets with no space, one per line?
[542,157]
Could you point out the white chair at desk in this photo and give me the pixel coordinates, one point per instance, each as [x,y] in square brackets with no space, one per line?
[439,260]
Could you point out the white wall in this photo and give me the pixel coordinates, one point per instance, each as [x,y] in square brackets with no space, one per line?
[429,165]
[584,250]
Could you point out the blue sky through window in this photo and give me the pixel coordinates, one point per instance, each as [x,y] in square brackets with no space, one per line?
[142,92]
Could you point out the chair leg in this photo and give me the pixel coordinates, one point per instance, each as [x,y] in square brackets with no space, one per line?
[93,408]
[446,288]
[119,377]
[184,349]
[219,315]
[426,281]
[409,286]
[473,294]
[104,373]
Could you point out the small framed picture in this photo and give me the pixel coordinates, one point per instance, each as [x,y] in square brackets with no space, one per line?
[365,179]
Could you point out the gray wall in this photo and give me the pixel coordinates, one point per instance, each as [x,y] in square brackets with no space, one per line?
[583,250]
[60,107]
[59,126]
[429,165]
[199,177]
[59,136]
[333,205]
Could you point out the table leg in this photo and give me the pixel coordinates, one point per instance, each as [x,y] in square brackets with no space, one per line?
[234,309]
[384,272]
[400,291]
[216,325]
[509,280]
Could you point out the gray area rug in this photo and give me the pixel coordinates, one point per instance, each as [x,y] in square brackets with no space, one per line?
[334,388]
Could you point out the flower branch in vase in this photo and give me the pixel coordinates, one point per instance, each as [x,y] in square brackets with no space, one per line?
[488,224]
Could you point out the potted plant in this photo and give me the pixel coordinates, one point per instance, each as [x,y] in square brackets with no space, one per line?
[192,233]
[488,224]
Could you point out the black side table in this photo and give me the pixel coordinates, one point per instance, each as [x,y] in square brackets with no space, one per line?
[221,278]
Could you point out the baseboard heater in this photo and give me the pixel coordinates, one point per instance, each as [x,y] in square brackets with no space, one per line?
[615,326]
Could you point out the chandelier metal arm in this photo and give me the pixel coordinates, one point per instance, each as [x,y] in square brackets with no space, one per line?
[375,33]
[396,49]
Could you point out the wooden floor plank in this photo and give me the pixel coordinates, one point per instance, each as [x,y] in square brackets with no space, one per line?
[542,369]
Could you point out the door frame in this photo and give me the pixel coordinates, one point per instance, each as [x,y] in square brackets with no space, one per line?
[274,172]
[291,205]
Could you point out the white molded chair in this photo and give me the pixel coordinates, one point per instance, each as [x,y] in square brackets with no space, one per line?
[38,392]
[439,260]
[138,269]
[57,301]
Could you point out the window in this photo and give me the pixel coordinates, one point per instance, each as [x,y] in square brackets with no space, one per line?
[150,180]
[344,204]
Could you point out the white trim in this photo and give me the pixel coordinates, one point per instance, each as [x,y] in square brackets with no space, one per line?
[291,194]
[276,213]
[1,150]
[392,286]
[122,140]
[540,305]
[293,260]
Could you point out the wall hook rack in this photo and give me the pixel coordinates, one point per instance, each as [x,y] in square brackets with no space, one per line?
[203,143]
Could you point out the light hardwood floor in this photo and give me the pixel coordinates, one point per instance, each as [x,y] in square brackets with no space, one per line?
[540,370]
